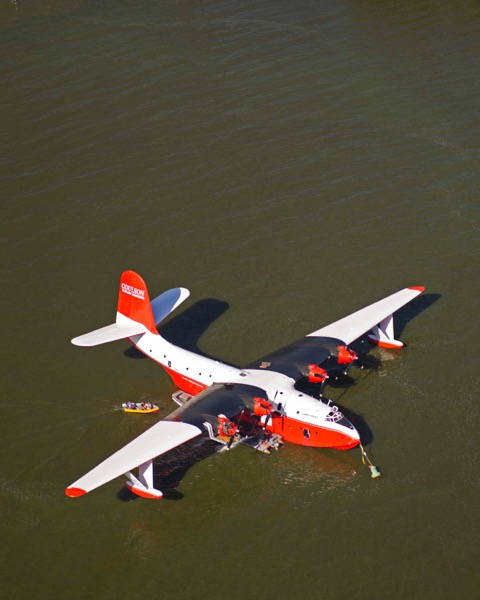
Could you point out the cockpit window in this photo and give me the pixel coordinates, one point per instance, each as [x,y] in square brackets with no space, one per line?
[334,416]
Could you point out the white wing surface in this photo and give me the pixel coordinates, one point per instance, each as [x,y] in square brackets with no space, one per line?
[317,348]
[110,333]
[355,325]
[160,438]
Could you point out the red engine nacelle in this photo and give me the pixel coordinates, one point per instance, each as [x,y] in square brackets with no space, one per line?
[345,355]
[261,407]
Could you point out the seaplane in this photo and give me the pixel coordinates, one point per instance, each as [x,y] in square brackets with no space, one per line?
[262,405]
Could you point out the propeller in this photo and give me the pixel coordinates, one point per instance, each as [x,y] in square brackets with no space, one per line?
[346,357]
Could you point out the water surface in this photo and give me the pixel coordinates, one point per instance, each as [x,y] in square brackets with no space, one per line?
[289,164]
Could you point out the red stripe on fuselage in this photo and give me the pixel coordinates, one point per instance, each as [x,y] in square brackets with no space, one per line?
[305,434]
[190,386]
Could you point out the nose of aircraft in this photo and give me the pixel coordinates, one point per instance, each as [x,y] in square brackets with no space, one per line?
[349,438]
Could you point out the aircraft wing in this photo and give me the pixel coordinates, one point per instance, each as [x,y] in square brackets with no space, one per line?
[185,423]
[355,325]
[321,345]
[162,437]
[229,399]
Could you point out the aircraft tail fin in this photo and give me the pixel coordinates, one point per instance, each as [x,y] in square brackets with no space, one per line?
[136,315]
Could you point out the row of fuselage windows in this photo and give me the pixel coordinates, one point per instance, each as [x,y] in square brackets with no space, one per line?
[169,365]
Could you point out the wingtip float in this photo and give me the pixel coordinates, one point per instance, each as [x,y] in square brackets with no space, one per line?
[260,405]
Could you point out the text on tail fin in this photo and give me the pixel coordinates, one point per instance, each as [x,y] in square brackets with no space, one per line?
[133,300]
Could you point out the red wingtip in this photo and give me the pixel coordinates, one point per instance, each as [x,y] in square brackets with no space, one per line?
[419,288]
[74,492]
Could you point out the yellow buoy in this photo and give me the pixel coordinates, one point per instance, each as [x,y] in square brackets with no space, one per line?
[374,472]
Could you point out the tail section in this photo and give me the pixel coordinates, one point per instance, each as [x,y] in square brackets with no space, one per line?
[136,315]
[133,301]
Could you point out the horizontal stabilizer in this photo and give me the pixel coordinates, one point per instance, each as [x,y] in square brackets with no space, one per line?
[355,325]
[157,440]
[167,302]
[123,328]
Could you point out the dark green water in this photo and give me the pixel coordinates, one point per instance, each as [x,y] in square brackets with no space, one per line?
[292,162]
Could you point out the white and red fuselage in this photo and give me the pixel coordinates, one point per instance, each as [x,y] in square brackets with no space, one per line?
[305,420]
